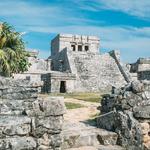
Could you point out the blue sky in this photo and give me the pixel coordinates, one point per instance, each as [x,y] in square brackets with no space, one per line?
[121,24]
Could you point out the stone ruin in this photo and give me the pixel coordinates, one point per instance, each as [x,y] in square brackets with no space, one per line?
[28,122]
[76,65]
[141,69]
[127,112]
[31,122]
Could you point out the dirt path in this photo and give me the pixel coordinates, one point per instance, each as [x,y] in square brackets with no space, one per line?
[81,114]
[79,122]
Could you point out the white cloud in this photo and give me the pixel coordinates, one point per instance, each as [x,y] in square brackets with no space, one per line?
[24,13]
[139,8]
[133,42]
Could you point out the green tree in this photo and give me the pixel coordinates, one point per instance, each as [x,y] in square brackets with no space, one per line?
[13,57]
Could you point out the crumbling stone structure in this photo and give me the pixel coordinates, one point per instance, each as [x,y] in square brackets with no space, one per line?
[76,65]
[79,56]
[127,112]
[26,121]
[36,70]
[142,68]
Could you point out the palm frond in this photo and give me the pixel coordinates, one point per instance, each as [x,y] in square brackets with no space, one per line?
[13,57]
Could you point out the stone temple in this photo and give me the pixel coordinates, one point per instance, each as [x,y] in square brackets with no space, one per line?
[77,65]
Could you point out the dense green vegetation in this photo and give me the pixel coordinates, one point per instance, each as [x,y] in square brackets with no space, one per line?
[13,57]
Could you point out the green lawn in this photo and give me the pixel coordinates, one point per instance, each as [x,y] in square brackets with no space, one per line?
[70,105]
[89,97]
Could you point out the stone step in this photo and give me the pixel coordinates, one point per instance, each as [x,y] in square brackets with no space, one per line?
[100,147]
[84,148]
[110,147]
[87,136]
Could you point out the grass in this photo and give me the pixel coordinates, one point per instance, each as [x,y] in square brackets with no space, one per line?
[89,97]
[70,105]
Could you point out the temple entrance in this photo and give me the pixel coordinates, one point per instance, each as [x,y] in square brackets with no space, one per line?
[63,87]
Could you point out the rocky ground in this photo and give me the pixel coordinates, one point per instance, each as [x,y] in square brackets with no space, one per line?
[80,131]
[127,112]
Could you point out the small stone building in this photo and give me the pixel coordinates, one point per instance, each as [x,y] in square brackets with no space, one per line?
[76,65]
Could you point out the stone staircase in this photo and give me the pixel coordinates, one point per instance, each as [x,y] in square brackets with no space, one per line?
[94,72]
[82,136]
[100,147]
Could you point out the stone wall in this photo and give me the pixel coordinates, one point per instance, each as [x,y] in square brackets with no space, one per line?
[127,112]
[27,121]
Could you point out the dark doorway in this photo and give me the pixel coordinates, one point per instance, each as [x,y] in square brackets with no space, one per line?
[63,87]
[73,47]
[79,47]
[86,48]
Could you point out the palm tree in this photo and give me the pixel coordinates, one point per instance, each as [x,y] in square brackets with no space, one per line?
[13,57]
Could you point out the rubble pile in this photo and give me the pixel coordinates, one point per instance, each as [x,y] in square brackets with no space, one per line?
[127,112]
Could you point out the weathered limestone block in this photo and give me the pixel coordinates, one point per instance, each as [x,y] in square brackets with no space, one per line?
[137,86]
[107,138]
[6,83]
[123,101]
[145,127]
[18,143]
[18,89]
[109,147]
[51,106]
[129,131]
[142,112]
[13,125]
[20,95]
[107,121]
[51,125]
[51,141]
[77,138]
[44,140]
[126,126]
[132,99]
[14,107]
